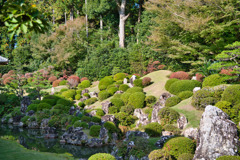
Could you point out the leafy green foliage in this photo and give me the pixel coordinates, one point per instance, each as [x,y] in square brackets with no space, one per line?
[95,130]
[42,106]
[153,129]
[90,101]
[125,119]
[119,76]
[150,99]
[137,100]
[185,94]
[104,83]
[232,94]
[185,156]
[172,128]
[224,106]
[183,85]
[228,158]
[80,124]
[172,101]
[117,102]
[84,84]
[102,95]
[134,89]
[111,127]
[86,119]
[138,83]
[102,156]
[168,115]
[123,87]
[213,80]
[112,90]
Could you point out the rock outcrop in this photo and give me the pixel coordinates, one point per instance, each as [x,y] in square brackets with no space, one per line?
[105,106]
[110,118]
[74,136]
[163,98]
[156,108]
[182,122]
[217,135]
[136,134]
[190,133]
[142,117]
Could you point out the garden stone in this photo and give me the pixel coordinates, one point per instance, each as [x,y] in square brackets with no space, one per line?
[50,132]
[125,81]
[114,138]
[136,134]
[163,98]
[163,139]
[191,133]
[132,79]
[166,133]
[17,119]
[105,106]
[85,91]
[30,113]
[217,135]
[93,113]
[25,102]
[10,121]
[182,122]
[44,123]
[110,118]
[52,91]
[196,89]
[119,92]
[104,135]
[83,99]
[93,94]
[33,125]
[143,118]
[156,108]
[4,120]
[72,110]
[20,124]
[94,142]
[194,78]
[74,136]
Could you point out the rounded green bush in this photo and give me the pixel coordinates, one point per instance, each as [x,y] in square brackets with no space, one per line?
[125,119]
[78,96]
[157,155]
[102,95]
[64,82]
[36,101]
[63,90]
[225,106]
[172,101]
[95,130]
[153,129]
[127,109]
[113,110]
[180,145]
[134,89]
[42,106]
[228,158]
[119,76]
[100,112]
[102,156]
[111,127]
[169,83]
[137,100]
[68,126]
[51,102]
[232,94]
[168,115]
[84,84]
[91,101]
[198,96]
[213,80]
[25,119]
[207,101]
[55,111]
[172,128]
[138,83]
[117,102]
[185,156]
[32,107]
[112,90]
[80,124]
[123,87]
[74,119]
[69,93]
[79,91]
[86,95]
[125,97]
[81,104]
[64,102]
[150,99]
[183,85]
[86,119]
[96,119]
[104,83]
[185,94]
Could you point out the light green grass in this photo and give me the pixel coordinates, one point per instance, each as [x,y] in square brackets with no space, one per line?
[193,116]
[11,150]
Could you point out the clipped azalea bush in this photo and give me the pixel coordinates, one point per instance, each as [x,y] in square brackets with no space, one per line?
[180,75]
[94,130]
[32,107]
[100,112]
[69,93]
[125,97]
[113,110]
[134,89]
[169,83]
[180,145]
[84,84]
[168,115]
[228,158]
[232,94]
[81,104]
[199,77]
[138,83]
[102,156]
[105,82]
[157,154]
[128,109]
[146,81]
[225,106]
[213,80]
[172,128]
[91,101]
[185,156]
[52,79]
[153,129]
[102,95]
[78,96]
[198,96]
[137,100]
[185,94]
[183,85]
[123,87]
[85,119]
[64,102]
[96,119]
[42,106]
[111,127]
[80,124]
[172,101]
[52,102]
[119,76]
[117,102]
[112,90]
[150,99]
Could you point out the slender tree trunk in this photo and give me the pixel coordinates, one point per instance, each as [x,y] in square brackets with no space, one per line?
[53,18]
[86,18]
[122,19]
[65,16]
[71,14]
[101,27]
[139,17]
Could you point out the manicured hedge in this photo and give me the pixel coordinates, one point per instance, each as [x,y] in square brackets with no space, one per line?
[213,80]
[102,95]
[102,156]
[232,94]
[42,106]
[185,94]
[117,102]
[172,101]
[157,154]
[134,89]
[183,85]
[225,106]
[150,99]
[112,90]
[168,115]
[153,129]
[105,82]
[137,100]
[84,84]
[169,83]
[185,156]
[119,76]
[80,124]
[138,83]
[125,97]
[228,158]
[91,101]
[123,87]
[95,130]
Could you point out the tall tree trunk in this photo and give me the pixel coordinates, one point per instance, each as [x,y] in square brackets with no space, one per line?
[101,27]
[122,19]
[139,17]
[71,14]
[86,18]
[53,18]
[65,16]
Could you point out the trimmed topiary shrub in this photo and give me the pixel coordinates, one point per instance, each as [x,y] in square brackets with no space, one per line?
[63,90]
[146,81]
[134,89]
[183,85]
[64,82]
[80,124]
[225,106]
[102,95]
[168,115]
[119,76]
[127,109]
[117,102]
[78,96]
[56,83]
[25,119]
[137,100]
[95,130]
[153,129]
[185,156]
[102,156]
[138,83]
[105,82]
[198,96]
[32,107]
[172,128]
[169,83]
[69,93]
[113,110]
[228,158]
[123,87]
[86,95]
[125,97]
[125,119]
[207,101]
[185,94]
[79,91]
[111,127]
[232,94]
[64,102]
[86,119]
[150,99]
[84,84]
[100,112]
[180,75]
[91,101]
[213,80]
[172,101]
[81,104]
[96,119]
[157,154]
[180,145]
[112,90]
[52,102]
[52,78]
[42,106]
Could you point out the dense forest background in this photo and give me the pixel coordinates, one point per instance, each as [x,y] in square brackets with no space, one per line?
[83,36]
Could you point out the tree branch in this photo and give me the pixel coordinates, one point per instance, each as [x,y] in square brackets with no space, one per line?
[126,17]
[118,3]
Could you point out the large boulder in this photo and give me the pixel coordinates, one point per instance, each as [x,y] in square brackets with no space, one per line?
[136,134]
[104,135]
[93,94]
[94,142]
[156,108]
[131,80]
[217,135]
[190,133]
[44,123]
[110,118]
[182,122]
[164,97]
[105,106]
[74,136]
[142,117]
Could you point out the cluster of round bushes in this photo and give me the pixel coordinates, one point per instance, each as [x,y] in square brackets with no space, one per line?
[105,82]
[91,101]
